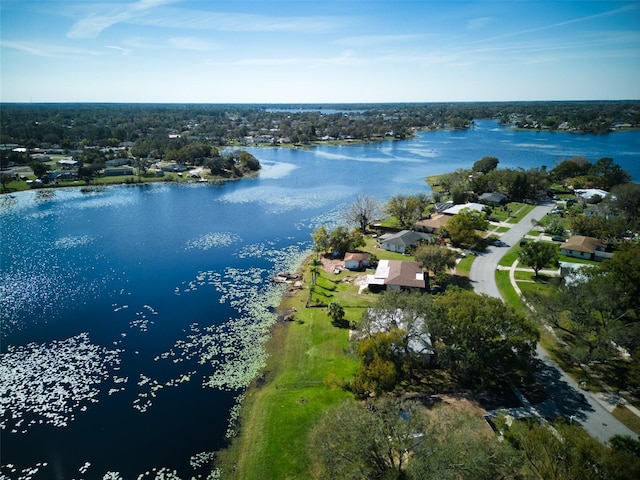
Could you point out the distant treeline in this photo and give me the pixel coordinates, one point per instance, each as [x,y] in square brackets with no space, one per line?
[73,126]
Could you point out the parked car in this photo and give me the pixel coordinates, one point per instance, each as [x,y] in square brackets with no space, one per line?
[558,238]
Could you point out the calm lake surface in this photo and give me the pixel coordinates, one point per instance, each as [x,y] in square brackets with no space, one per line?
[132,318]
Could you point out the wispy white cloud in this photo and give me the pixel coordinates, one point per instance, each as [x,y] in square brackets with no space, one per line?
[238,22]
[608,13]
[374,40]
[98,17]
[480,22]
[94,18]
[345,59]
[124,51]
[191,43]
[48,50]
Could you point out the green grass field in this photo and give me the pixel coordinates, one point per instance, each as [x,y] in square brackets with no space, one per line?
[306,366]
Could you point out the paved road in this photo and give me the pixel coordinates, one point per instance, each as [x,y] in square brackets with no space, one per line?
[567,398]
[483,269]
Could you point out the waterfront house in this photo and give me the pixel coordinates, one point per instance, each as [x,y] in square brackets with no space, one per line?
[401,241]
[432,224]
[397,275]
[494,199]
[117,171]
[356,260]
[117,162]
[455,209]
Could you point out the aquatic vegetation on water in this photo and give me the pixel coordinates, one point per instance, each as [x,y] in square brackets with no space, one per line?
[49,383]
[72,241]
[213,240]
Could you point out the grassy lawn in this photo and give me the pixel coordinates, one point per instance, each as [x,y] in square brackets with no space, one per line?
[308,361]
[502,229]
[510,257]
[542,279]
[534,233]
[627,417]
[564,258]
[519,214]
[464,266]
[508,293]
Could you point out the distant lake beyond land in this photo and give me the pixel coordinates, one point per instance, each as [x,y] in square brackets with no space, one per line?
[133,317]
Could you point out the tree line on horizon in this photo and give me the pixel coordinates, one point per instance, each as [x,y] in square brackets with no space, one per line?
[72,126]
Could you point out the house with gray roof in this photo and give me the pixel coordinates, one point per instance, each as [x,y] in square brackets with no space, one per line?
[492,198]
[401,241]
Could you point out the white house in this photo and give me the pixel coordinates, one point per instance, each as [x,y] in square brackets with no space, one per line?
[418,337]
[455,209]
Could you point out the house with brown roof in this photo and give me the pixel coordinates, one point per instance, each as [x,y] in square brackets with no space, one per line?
[396,275]
[432,224]
[356,260]
[588,248]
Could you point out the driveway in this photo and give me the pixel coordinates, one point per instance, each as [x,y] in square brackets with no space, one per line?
[567,399]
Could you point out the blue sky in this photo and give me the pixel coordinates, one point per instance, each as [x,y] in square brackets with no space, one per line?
[318,51]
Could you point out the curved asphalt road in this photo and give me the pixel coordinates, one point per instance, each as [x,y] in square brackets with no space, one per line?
[568,398]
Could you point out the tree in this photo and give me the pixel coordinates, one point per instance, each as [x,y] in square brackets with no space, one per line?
[39,169]
[462,227]
[435,258]
[142,164]
[86,173]
[248,161]
[608,173]
[485,164]
[364,210]
[372,440]
[538,255]
[564,451]
[406,209]
[407,316]
[478,338]
[600,227]
[380,367]
[395,439]
[520,188]
[5,180]
[621,274]
[625,200]
[321,242]
[336,312]
[342,241]
[569,168]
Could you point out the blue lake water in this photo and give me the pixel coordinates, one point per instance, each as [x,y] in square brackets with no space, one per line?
[133,317]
